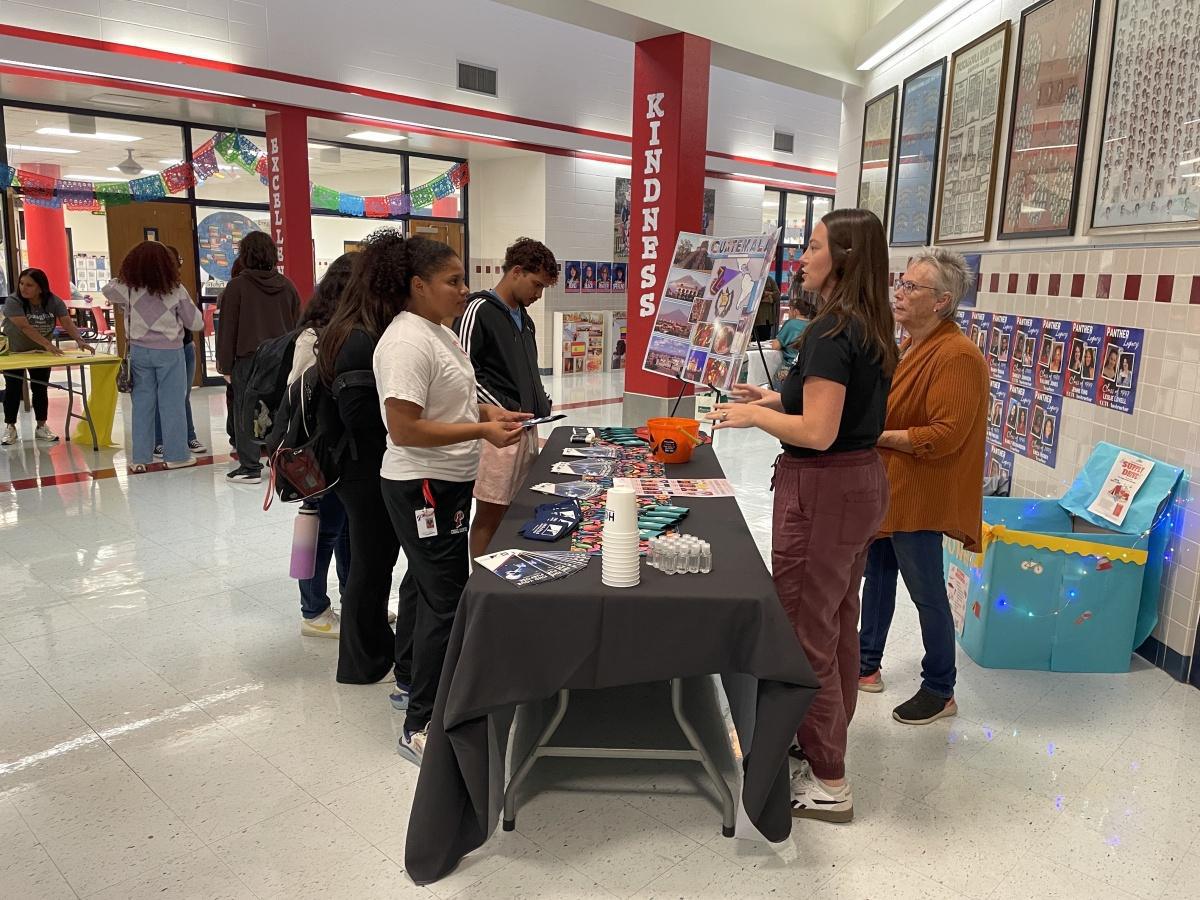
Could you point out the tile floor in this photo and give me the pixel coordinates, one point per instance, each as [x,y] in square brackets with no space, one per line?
[166,732]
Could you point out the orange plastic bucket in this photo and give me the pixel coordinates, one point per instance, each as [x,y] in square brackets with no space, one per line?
[672,439]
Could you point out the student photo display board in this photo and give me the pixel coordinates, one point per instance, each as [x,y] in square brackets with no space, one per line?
[875,168]
[1150,142]
[917,157]
[1049,118]
[978,75]
[706,313]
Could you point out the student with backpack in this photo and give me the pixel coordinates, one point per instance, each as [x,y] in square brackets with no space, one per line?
[435,423]
[333,535]
[259,304]
[498,334]
[368,651]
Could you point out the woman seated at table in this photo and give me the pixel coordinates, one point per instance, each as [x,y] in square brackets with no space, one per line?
[801,309]
[157,309]
[831,489]
[434,424]
[29,319]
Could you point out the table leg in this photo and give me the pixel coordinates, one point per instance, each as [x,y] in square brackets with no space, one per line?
[514,784]
[87,413]
[689,732]
[70,404]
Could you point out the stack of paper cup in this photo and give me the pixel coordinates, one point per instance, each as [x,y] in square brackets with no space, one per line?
[619,548]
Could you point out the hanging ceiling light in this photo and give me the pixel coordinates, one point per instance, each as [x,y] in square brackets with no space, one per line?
[129,165]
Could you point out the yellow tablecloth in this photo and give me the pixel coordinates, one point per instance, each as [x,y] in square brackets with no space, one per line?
[102,396]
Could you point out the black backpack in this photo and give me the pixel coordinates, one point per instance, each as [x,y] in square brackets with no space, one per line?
[266,384]
[307,440]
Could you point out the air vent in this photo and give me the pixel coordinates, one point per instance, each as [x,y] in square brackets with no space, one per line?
[784,142]
[476,79]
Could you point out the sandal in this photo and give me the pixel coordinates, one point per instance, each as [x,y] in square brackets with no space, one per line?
[137,469]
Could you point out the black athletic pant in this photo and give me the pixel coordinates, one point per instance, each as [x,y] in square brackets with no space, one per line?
[437,573]
[249,452]
[366,648]
[37,392]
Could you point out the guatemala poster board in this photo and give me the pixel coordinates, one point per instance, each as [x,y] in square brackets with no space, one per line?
[706,312]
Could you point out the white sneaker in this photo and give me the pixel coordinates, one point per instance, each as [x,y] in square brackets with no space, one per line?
[182,464]
[328,624]
[43,433]
[8,436]
[813,799]
[412,745]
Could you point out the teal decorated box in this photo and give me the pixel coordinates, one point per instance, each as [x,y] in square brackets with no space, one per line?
[1062,585]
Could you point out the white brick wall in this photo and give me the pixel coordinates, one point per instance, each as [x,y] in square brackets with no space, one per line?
[1168,405]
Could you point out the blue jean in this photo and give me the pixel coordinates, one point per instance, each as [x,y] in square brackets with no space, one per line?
[159,384]
[333,540]
[189,365]
[917,555]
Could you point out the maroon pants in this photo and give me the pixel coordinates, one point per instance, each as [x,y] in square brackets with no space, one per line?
[828,509]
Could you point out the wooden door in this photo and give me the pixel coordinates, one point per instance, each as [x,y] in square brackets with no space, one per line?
[167,223]
[451,233]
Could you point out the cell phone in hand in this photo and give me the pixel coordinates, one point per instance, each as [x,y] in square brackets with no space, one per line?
[533,423]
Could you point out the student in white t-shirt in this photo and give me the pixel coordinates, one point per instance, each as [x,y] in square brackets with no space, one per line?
[427,393]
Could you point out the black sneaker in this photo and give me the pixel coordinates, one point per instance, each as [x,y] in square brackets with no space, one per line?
[923,708]
[244,475]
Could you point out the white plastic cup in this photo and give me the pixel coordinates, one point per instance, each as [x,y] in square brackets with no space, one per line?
[621,514]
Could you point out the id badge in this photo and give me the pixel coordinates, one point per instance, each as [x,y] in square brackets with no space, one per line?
[426,523]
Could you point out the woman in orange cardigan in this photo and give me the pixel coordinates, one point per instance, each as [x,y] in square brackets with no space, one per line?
[933,446]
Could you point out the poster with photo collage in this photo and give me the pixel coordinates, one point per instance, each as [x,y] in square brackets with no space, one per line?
[1052,355]
[1050,359]
[706,312]
[1022,368]
[999,465]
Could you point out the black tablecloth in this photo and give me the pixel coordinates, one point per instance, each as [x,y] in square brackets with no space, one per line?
[515,644]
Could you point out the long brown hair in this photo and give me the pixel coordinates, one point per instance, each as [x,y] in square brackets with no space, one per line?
[151,267]
[379,288]
[860,263]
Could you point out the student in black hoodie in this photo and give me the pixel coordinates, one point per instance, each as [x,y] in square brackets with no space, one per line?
[498,335]
[259,304]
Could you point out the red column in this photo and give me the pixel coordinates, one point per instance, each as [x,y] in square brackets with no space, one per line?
[670,136]
[46,238]
[289,196]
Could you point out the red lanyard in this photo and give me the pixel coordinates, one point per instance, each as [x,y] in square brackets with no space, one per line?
[428,493]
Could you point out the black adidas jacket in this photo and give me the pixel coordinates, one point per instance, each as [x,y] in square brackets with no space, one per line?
[505,359]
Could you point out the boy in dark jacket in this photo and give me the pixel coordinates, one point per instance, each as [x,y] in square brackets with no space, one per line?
[499,337]
[259,304]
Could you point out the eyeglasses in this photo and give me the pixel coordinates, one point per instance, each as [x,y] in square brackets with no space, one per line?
[907,287]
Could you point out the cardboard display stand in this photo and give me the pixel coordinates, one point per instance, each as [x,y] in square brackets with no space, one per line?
[1060,586]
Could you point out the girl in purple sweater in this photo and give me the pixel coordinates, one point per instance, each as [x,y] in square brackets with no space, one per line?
[157,311]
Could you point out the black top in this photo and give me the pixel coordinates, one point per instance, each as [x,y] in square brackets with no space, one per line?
[358,410]
[843,358]
[504,356]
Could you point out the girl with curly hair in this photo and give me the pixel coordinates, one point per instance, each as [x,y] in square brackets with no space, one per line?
[158,310]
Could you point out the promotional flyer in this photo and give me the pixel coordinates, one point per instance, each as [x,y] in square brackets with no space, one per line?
[1083,363]
[706,313]
[1000,338]
[1052,356]
[1022,367]
[1121,363]
[1043,428]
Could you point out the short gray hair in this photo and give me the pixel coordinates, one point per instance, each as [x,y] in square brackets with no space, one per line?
[951,271]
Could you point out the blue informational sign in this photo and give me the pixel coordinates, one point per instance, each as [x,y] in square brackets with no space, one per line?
[1083,362]
[1016,419]
[1043,428]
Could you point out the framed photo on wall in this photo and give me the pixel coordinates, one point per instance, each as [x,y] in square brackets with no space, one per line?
[875,168]
[1149,166]
[1049,118]
[971,146]
[917,157]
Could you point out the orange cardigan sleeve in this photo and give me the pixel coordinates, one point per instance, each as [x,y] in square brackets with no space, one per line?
[951,407]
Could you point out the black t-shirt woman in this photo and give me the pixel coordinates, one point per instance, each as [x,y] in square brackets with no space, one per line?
[830,486]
